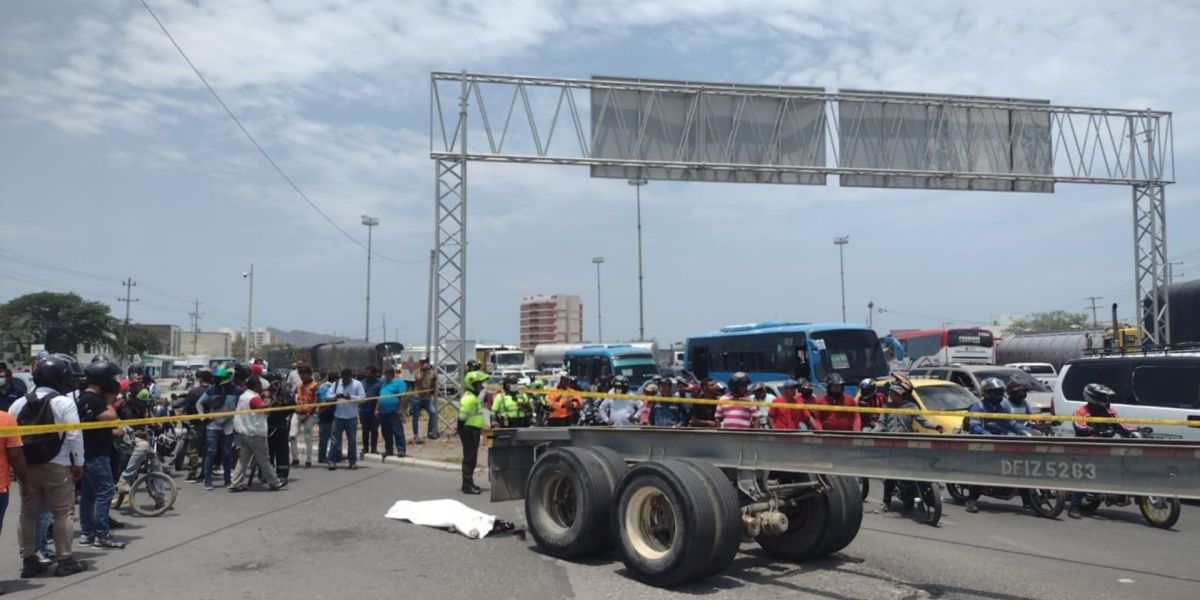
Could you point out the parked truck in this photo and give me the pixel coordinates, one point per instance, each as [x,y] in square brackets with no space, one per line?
[1059,348]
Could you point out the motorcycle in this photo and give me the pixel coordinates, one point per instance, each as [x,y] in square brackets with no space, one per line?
[1044,503]
[1156,510]
[922,496]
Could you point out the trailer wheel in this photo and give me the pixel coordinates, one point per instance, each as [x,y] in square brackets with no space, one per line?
[665,522]
[567,498]
[728,537]
[612,462]
[840,533]
[807,523]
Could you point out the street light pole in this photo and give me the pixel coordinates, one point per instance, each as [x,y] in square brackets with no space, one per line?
[249,309]
[637,184]
[841,242]
[371,223]
[599,260]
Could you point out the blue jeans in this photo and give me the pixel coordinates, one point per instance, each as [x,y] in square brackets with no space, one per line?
[218,441]
[97,493]
[423,404]
[393,433]
[324,431]
[349,427]
[43,528]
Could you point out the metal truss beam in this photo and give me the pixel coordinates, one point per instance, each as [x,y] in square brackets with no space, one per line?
[450,272]
[1150,262]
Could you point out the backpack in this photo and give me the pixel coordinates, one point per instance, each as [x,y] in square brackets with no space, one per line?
[39,448]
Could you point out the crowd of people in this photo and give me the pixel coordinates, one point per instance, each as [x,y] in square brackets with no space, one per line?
[85,472]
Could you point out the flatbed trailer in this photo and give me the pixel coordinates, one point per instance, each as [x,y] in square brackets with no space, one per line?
[677,503]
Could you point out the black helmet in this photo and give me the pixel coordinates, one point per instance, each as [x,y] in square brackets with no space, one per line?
[1098,393]
[1016,390]
[104,374]
[833,379]
[474,365]
[867,386]
[739,379]
[805,386]
[510,379]
[242,373]
[991,384]
[135,369]
[58,371]
[101,358]
[720,388]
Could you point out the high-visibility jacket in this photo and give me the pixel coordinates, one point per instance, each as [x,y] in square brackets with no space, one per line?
[562,403]
[511,405]
[470,410]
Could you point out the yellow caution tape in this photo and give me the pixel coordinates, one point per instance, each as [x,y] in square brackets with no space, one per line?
[862,409]
[21,430]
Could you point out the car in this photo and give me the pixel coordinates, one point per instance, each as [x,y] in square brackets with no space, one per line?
[1043,372]
[936,394]
[969,376]
[1154,385]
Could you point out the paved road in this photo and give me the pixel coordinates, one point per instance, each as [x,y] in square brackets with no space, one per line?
[325,536]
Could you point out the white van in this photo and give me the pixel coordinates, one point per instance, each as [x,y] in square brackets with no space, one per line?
[1150,386]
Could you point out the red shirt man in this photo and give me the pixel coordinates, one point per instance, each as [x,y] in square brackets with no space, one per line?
[838,421]
[787,418]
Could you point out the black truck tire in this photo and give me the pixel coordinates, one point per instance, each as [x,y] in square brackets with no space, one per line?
[665,522]
[839,535]
[728,537]
[567,500]
[807,524]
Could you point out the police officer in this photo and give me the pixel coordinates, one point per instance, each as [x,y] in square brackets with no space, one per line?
[470,427]
[511,406]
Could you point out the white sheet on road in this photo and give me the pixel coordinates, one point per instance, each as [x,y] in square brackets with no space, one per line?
[443,514]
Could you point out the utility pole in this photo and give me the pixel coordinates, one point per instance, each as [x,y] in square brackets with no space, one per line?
[1171,271]
[841,242]
[249,310]
[129,285]
[1095,320]
[599,260]
[871,314]
[385,328]
[371,223]
[637,184]
[195,314]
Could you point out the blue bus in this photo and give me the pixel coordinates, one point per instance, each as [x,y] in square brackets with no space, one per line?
[773,351]
[592,362]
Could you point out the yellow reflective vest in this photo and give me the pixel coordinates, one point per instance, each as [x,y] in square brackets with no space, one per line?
[470,410]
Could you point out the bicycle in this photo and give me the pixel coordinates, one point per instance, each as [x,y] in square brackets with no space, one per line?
[153,492]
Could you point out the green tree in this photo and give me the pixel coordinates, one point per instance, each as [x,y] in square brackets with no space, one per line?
[60,321]
[141,341]
[1043,322]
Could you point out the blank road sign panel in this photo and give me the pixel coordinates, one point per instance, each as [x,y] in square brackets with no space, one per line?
[709,132]
[928,135]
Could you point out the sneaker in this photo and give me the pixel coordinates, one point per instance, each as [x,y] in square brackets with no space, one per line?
[86,540]
[307,464]
[32,566]
[296,463]
[192,479]
[331,466]
[44,557]
[972,506]
[282,484]
[353,467]
[69,566]
[208,487]
[124,487]
[418,441]
[1074,513]
[234,490]
[401,454]
[109,543]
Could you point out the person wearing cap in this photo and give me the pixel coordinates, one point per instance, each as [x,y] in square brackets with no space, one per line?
[470,427]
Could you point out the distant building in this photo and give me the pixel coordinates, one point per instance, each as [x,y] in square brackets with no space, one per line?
[167,335]
[259,336]
[207,343]
[553,318]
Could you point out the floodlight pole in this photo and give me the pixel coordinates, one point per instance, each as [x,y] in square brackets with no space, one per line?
[841,242]
[638,183]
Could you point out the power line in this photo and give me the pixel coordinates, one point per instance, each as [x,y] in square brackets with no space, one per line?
[259,147]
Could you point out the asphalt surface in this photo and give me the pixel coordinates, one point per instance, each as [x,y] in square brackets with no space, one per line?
[326,536]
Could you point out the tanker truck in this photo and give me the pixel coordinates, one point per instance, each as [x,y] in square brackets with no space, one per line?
[1058,348]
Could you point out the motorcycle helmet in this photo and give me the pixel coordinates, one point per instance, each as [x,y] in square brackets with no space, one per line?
[104,374]
[993,388]
[805,386]
[620,384]
[867,386]
[57,371]
[739,382]
[650,389]
[135,369]
[834,385]
[473,378]
[1097,393]
[1016,391]
[510,382]
[222,374]
[720,388]
[474,365]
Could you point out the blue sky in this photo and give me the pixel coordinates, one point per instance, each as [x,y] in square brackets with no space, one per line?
[115,162]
